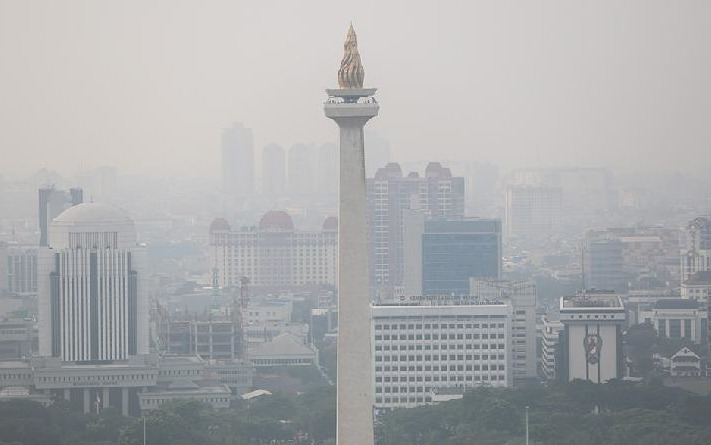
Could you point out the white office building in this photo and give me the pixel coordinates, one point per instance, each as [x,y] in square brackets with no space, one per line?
[521,295]
[92,303]
[423,346]
[591,340]
[274,254]
[550,331]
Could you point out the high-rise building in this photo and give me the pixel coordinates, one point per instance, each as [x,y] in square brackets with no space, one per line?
[422,347]
[550,330]
[273,170]
[604,262]
[532,212]
[438,195]
[274,254]
[413,226]
[52,202]
[377,152]
[521,296]
[92,301]
[328,169]
[696,253]
[591,340]
[237,161]
[453,251]
[351,107]
[20,269]
[301,170]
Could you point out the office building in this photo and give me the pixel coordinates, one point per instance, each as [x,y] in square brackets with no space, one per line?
[532,212]
[302,174]
[237,161]
[453,251]
[521,295]
[696,251]
[423,346]
[92,303]
[273,170]
[19,270]
[52,202]
[351,106]
[327,182]
[274,254]
[550,332]
[604,262]
[413,226]
[591,340]
[436,195]
[697,287]
[678,319]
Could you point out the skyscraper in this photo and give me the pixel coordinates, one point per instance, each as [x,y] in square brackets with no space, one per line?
[92,303]
[532,212]
[327,169]
[273,170]
[453,251]
[237,161]
[301,170]
[438,194]
[52,202]
[351,106]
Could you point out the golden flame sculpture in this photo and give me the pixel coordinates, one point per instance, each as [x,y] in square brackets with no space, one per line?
[351,73]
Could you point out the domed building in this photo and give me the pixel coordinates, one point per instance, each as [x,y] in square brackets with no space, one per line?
[275,254]
[92,305]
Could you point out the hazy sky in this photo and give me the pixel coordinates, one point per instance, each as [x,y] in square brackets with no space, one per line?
[147,85]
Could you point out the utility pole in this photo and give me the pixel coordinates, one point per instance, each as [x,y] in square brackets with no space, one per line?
[526,425]
[144,430]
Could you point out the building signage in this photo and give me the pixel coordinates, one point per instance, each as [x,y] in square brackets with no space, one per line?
[593,345]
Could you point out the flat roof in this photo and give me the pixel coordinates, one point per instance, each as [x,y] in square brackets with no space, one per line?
[591,300]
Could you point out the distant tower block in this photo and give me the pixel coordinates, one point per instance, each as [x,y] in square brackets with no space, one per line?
[351,107]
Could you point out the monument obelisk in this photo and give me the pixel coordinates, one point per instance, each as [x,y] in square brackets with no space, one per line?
[351,106]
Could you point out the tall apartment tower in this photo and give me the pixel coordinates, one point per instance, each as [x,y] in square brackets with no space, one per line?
[237,161]
[351,107]
[327,169]
[696,254]
[92,304]
[301,170]
[52,202]
[273,170]
[438,195]
[532,212]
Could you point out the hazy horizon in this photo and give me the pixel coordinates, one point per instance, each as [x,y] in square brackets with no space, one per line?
[147,86]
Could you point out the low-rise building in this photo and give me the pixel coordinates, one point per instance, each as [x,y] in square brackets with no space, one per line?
[677,319]
[424,345]
[591,340]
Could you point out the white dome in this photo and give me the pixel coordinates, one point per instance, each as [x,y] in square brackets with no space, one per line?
[91,212]
[92,217]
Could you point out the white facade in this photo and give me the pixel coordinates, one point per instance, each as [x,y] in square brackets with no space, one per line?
[549,336]
[274,254]
[522,297]
[423,346]
[696,252]
[592,337]
[92,305]
[18,268]
[677,319]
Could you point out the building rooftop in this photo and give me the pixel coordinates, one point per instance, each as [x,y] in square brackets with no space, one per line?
[699,279]
[676,303]
[591,299]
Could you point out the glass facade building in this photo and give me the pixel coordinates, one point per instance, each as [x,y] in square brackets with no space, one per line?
[453,251]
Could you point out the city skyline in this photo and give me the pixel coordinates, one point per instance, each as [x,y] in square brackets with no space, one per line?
[550,86]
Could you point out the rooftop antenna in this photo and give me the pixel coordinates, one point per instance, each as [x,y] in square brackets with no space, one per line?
[582,258]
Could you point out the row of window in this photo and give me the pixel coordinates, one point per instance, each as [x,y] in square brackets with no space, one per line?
[438,326]
[438,336]
[443,357]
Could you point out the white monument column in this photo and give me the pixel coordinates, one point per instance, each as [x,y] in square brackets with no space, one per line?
[351,106]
